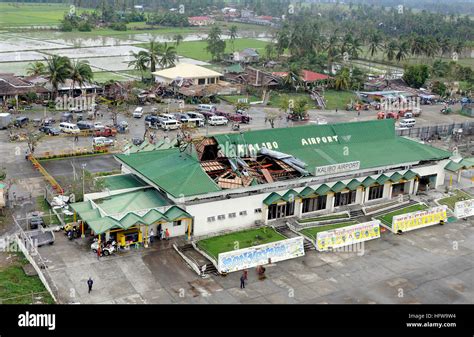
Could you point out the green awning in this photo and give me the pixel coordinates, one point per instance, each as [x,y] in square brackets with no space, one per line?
[175,213]
[153,216]
[338,187]
[91,215]
[307,192]
[453,166]
[409,175]
[291,195]
[129,220]
[81,206]
[353,184]
[368,181]
[382,179]
[322,190]
[104,224]
[396,177]
[272,198]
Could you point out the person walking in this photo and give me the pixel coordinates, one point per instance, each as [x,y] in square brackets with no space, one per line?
[76,138]
[89,284]
[167,234]
[160,232]
[242,281]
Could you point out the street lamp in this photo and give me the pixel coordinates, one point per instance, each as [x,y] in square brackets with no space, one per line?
[83,180]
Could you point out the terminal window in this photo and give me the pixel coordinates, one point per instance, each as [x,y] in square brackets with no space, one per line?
[376,192]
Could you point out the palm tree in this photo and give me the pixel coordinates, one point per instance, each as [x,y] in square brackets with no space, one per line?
[140,62]
[178,38]
[36,68]
[390,49]
[168,56]
[375,42]
[80,73]
[342,79]
[402,51]
[155,50]
[232,35]
[58,69]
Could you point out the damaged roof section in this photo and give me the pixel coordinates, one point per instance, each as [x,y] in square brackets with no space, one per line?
[229,170]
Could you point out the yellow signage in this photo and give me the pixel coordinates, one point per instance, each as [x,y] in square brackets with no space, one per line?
[349,235]
[415,220]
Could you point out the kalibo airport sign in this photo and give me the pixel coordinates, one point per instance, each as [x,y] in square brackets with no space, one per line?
[420,219]
[464,209]
[349,235]
[337,168]
[259,255]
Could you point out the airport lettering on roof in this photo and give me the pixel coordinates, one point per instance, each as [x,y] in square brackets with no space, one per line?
[318,140]
[337,168]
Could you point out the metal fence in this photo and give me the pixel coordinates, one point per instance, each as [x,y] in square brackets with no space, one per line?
[442,130]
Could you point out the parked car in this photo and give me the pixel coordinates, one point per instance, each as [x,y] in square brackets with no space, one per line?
[106,132]
[206,108]
[407,123]
[21,121]
[36,221]
[171,124]
[185,118]
[138,113]
[83,125]
[102,141]
[66,117]
[69,128]
[50,130]
[5,120]
[217,120]
[48,122]
[137,141]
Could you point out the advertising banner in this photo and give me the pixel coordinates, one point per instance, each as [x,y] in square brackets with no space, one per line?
[253,256]
[420,219]
[464,209]
[349,235]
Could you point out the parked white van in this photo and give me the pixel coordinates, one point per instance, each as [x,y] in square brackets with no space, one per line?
[407,123]
[171,124]
[138,113]
[217,120]
[206,107]
[69,128]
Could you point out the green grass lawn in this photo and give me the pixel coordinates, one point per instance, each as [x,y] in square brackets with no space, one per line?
[14,14]
[458,196]
[325,218]
[196,49]
[16,287]
[338,99]
[387,218]
[276,97]
[239,240]
[312,231]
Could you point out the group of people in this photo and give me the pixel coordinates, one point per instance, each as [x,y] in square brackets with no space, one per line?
[260,273]
[162,235]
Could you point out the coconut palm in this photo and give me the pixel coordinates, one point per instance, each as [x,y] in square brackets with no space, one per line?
[390,49]
[178,38]
[139,62]
[80,73]
[58,69]
[342,79]
[402,51]
[168,56]
[233,35]
[36,68]
[375,43]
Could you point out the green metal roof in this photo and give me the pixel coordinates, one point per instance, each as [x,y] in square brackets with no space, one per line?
[153,216]
[122,181]
[306,192]
[129,220]
[175,213]
[179,174]
[396,177]
[353,184]
[91,215]
[338,187]
[323,189]
[466,163]
[102,225]
[368,181]
[409,175]
[81,206]
[132,201]
[382,179]
[290,195]
[235,68]
[272,198]
[373,143]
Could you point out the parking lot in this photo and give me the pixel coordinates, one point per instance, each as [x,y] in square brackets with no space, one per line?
[430,265]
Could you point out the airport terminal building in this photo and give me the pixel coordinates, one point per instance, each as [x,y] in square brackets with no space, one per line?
[231,181]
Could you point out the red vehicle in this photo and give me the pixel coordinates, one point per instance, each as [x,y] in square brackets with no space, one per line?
[234,117]
[207,114]
[105,132]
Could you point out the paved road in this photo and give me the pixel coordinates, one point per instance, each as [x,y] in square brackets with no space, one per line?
[431,265]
